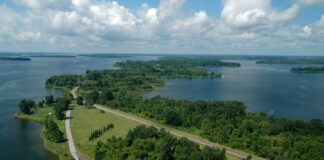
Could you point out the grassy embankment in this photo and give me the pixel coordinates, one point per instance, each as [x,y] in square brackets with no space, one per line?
[84,121]
[61,150]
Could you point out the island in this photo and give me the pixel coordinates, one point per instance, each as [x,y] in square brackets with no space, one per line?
[292,60]
[106,55]
[308,70]
[14,59]
[53,56]
[109,110]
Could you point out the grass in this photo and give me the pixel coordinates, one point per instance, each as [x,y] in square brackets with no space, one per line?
[61,150]
[84,121]
[188,134]
[39,115]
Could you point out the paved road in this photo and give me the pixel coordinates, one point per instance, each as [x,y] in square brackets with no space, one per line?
[73,92]
[68,129]
[69,135]
[172,132]
[149,124]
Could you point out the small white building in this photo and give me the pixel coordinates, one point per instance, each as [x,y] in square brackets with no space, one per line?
[50,113]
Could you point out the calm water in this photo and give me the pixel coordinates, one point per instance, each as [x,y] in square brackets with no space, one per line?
[267,88]
[20,139]
[263,88]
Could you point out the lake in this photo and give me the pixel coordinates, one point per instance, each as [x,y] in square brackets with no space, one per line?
[266,88]
[272,89]
[20,139]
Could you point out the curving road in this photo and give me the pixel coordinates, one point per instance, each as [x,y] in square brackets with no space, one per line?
[73,92]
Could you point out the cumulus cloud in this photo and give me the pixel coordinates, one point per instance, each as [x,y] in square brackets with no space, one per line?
[317,28]
[249,13]
[43,4]
[23,36]
[310,2]
[251,24]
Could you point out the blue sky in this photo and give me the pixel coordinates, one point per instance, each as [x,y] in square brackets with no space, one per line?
[281,27]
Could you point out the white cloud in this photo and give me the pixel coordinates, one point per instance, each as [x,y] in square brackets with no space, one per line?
[307,30]
[318,27]
[43,4]
[250,13]
[108,26]
[24,36]
[310,2]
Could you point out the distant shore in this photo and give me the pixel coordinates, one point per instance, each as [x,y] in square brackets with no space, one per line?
[14,59]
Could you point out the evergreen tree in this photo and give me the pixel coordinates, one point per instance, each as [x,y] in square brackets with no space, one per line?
[52,132]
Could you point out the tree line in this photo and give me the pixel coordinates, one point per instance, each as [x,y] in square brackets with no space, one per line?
[308,70]
[149,143]
[97,133]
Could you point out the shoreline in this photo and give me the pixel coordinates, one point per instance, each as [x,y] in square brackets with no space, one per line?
[50,147]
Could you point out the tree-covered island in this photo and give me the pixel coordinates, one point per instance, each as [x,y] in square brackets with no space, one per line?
[287,60]
[14,59]
[308,70]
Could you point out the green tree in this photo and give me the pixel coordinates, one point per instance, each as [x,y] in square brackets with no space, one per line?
[63,102]
[26,105]
[92,97]
[49,99]
[80,100]
[173,118]
[105,96]
[59,112]
[52,131]
[165,149]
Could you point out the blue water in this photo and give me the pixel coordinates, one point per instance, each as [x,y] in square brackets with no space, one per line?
[263,88]
[20,139]
[267,88]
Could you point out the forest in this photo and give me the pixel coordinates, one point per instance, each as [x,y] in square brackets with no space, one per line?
[149,143]
[224,122]
[286,60]
[308,70]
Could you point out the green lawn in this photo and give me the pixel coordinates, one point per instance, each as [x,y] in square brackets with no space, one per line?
[186,132]
[59,149]
[84,121]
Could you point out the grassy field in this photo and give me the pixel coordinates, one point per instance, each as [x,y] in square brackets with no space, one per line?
[59,149]
[192,135]
[84,121]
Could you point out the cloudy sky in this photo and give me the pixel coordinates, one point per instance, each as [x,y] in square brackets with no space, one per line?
[281,27]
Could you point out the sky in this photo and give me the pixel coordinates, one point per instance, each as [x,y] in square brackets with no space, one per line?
[241,27]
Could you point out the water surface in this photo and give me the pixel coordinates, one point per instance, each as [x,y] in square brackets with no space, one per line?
[20,139]
[263,88]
